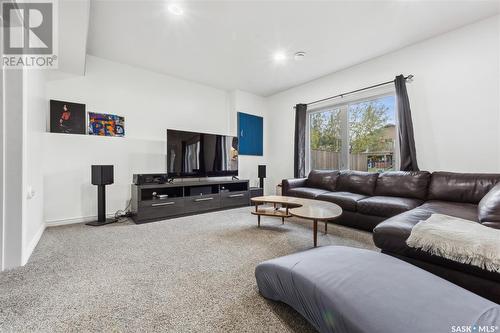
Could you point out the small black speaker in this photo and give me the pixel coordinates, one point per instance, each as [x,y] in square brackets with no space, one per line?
[262,171]
[262,175]
[102,175]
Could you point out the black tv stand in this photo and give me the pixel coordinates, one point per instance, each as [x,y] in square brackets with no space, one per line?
[155,202]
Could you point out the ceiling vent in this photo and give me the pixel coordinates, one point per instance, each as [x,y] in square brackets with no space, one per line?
[299,55]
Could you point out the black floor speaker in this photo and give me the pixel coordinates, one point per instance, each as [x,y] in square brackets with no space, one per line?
[102,175]
[262,175]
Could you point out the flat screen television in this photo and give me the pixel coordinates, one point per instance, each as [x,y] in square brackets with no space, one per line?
[192,154]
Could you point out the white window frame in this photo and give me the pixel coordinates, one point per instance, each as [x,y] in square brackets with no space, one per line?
[343,104]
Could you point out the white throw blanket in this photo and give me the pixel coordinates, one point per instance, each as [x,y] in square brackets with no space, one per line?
[459,240]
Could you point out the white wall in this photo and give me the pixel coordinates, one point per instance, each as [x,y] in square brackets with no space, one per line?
[2,142]
[498,38]
[454,100]
[35,108]
[150,103]
[241,101]
[73,26]
[13,129]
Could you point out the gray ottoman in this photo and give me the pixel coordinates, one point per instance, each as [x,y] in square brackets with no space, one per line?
[344,289]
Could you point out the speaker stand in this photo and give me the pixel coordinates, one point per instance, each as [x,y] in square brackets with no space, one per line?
[101,208]
[261,182]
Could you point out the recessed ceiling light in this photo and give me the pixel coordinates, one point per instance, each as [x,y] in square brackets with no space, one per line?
[175,9]
[279,56]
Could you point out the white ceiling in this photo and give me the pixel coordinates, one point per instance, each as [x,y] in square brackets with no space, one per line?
[229,44]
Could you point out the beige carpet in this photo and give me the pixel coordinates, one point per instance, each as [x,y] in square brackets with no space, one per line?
[191,274]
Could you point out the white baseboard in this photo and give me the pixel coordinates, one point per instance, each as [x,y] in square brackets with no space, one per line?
[73,220]
[33,243]
[53,223]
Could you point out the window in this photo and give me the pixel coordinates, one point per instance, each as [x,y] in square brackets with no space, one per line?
[325,139]
[360,135]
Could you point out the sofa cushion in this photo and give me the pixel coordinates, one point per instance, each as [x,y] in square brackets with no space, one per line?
[325,179]
[458,240]
[305,192]
[391,234]
[346,200]
[489,206]
[287,184]
[461,187]
[386,206]
[357,182]
[406,184]
[495,225]
[358,220]
[465,211]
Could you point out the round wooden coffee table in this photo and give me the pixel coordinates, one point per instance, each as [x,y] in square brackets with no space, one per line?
[308,209]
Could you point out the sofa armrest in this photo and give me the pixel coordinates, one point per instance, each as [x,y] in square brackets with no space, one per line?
[495,225]
[287,184]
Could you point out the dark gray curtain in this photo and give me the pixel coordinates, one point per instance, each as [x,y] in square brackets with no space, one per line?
[299,156]
[408,154]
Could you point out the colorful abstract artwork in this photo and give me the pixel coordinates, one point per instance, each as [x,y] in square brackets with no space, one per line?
[106,124]
[67,117]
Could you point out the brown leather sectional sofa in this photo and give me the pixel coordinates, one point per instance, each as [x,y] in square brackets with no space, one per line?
[391,203]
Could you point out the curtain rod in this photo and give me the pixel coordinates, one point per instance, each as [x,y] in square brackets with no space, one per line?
[408,78]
